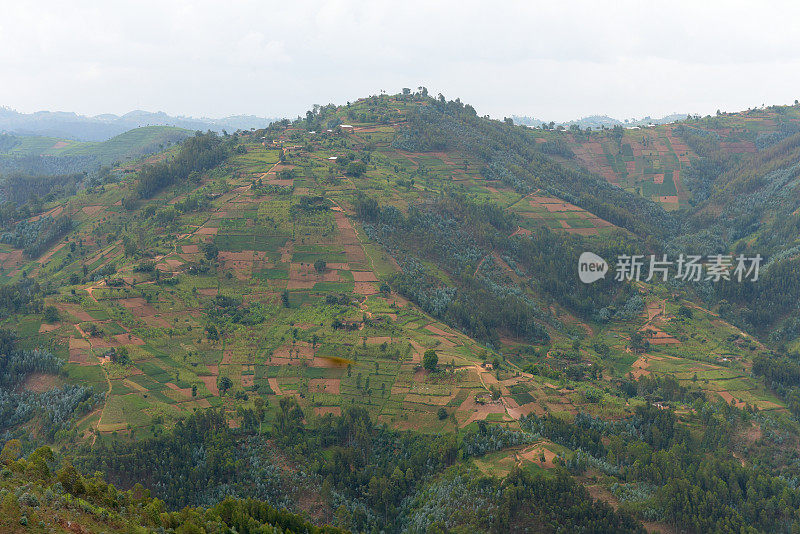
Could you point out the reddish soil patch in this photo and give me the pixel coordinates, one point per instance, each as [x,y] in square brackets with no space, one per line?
[526,409]
[101,343]
[365,288]
[342,222]
[92,210]
[355,254]
[727,397]
[191,249]
[207,231]
[187,392]
[40,382]
[208,291]
[211,380]
[78,356]
[657,336]
[301,349]
[325,385]
[128,339]
[416,356]
[73,310]
[672,199]
[138,307]
[153,321]
[78,343]
[45,327]
[273,383]
[481,411]
[364,276]
[438,331]
[535,453]
[173,262]
[11,260]
[639,367]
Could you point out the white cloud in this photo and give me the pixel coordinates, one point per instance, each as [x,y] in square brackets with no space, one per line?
[554,60]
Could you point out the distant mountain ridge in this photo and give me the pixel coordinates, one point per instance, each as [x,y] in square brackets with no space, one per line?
[600,121]
[71,125]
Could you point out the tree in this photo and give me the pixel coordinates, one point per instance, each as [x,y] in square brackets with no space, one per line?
[120,355]
[224,384]
[639,342]
[442,414]
[430,360]
[11,451]
[50,314]
[129,245]
[212,332]
[356,168]
[319,265]
[211,251]
[385,289]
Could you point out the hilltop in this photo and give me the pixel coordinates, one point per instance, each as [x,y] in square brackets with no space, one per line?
[399,274]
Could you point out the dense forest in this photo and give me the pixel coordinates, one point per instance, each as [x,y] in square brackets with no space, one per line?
[459,235]
[59,406]
[55,496]
[196,154]
[370,477]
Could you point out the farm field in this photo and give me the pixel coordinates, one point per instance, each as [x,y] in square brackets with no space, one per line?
[304,287]
[653,161]
[274,288]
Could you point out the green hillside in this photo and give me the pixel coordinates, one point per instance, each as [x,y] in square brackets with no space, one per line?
[130,145]
[372,316]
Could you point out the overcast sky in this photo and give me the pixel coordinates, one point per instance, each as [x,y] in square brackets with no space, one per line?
[554,60]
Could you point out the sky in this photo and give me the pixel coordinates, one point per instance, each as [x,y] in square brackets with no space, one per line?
[555,60]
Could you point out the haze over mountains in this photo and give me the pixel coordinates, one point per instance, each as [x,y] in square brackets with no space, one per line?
[600,121]
[71,125]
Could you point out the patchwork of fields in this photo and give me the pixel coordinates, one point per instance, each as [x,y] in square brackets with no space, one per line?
[274,289]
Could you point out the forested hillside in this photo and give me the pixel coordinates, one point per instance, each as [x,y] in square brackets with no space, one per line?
[37,155]
[371,317]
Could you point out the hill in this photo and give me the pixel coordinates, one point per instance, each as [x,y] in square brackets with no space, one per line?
[654,161]
[379,302]
[598,121]
[52,156]
[103,127]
